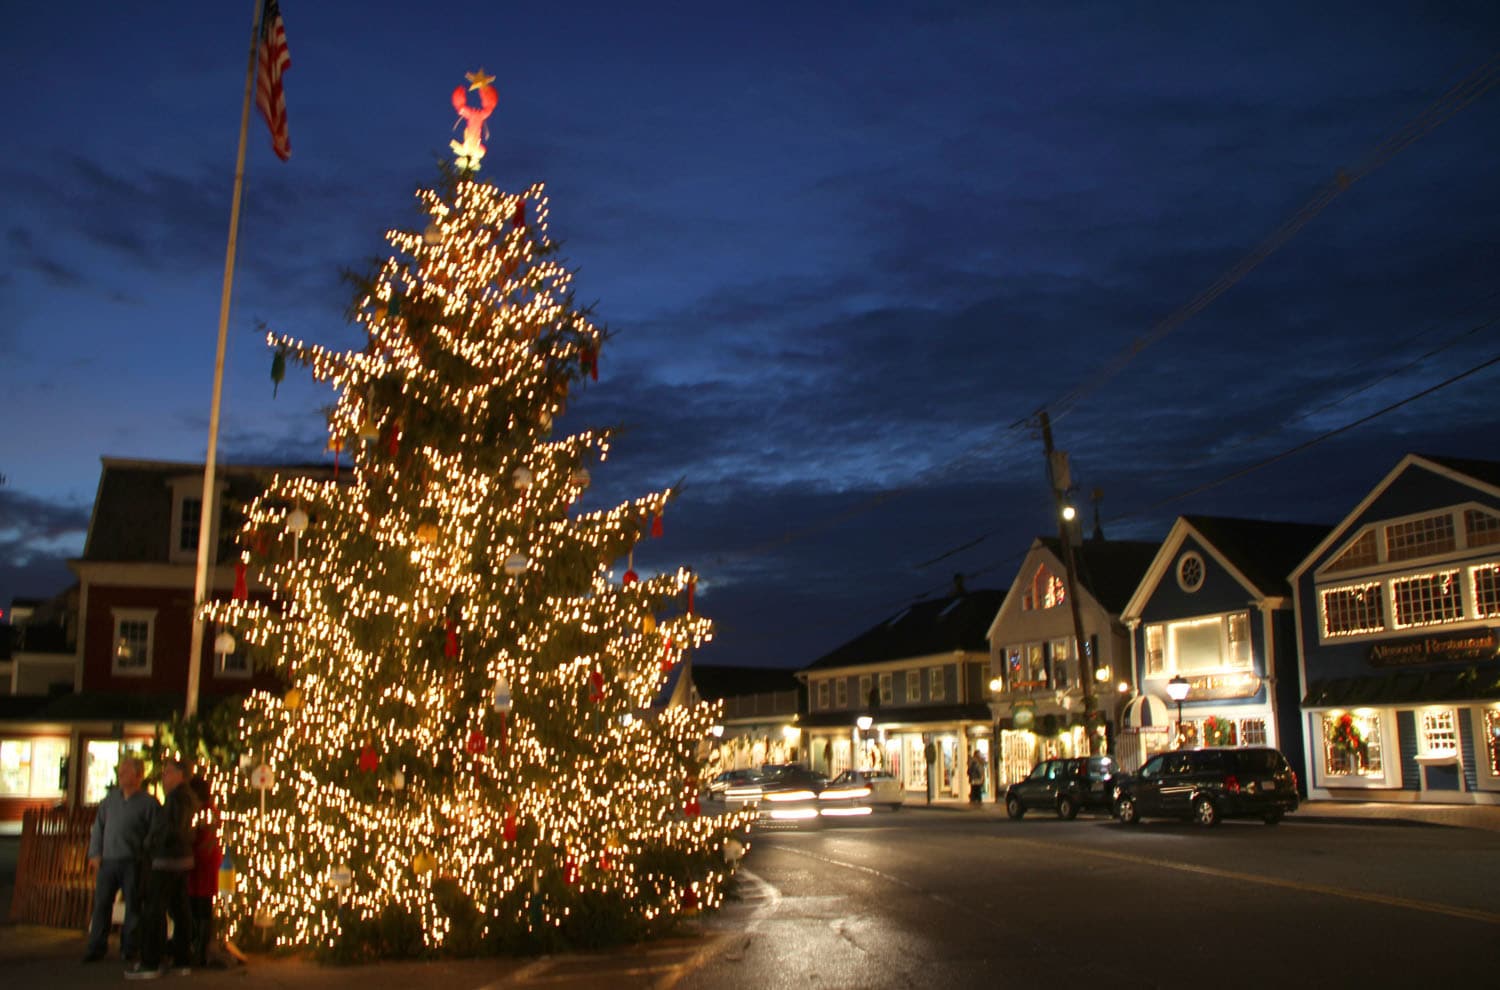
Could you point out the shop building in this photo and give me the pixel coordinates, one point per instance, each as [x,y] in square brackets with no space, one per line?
[1398,622]
[907,695]
[1038,673]
[1214,617]
[129,625]
[759,723]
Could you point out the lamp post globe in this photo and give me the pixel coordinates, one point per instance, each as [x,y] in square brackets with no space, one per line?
[1177,690]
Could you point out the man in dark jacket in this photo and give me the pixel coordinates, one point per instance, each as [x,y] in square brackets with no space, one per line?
[169,847]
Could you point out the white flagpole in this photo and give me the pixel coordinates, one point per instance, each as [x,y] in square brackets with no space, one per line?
[207,513]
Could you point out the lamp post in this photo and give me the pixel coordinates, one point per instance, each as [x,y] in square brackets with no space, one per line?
[863,723]
[1177,689]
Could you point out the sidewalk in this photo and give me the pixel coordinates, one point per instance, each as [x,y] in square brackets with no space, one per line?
[1484,817]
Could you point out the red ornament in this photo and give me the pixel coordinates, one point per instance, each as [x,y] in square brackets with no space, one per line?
[589,360]
[476,742]
[692,808]
[604,862]
[656,529]
[631,577]
[394,441]
[596,691]
[368,760]
[450,646]
[692,586]
[518,216]
[666,657]
[500,739]
[690,901]
[241,587]
[508,829]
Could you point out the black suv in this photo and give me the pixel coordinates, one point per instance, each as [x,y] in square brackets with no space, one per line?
[1209,785]
[1066,786]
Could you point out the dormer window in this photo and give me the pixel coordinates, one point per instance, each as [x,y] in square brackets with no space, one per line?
[187,517]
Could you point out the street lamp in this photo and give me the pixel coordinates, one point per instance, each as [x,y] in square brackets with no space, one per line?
[1177,689]
[863,723]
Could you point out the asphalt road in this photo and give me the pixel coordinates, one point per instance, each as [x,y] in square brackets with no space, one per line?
[918,899]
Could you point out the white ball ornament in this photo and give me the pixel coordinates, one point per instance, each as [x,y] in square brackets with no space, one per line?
[433,234]
[516,564]
[296,522]
[341,876]
[520,479]
[398,780]
[581,478]
[224,644]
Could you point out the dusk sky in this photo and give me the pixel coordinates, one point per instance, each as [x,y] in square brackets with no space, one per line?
[844,250]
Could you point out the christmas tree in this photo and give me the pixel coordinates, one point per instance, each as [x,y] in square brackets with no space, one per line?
[470,753]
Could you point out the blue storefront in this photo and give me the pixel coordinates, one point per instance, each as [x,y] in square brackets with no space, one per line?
[1398,613]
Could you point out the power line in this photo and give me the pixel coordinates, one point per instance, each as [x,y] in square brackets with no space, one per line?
[1468,90]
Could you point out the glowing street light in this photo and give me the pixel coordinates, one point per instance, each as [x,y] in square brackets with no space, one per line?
[1177,689]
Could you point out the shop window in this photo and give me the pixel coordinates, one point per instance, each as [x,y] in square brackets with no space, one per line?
[32,768]
[936,690]
[1487,590]
[1427,599]
[1062,656]
[1036,667]
[1438,733]
[841,693]
[1355,609]
[1482,528]
[913,685]
[1253,732]
[1352,745]
[1202,646]
[133,636]
[1492,738]
[1156,653]
[1419,538]
[887,689]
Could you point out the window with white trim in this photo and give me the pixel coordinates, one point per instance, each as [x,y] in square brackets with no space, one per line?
[1202,646]
[189,518]
[865,683]
[1416,538]
[134,629]
[1437,732]
[1492,738]
[887,689]
[936,689]
[823,694]
[1486,590]
[1352,744]
[1156,650]
[1481,528]
[1426,600]
[1047,591]
[32,767]
[841,693]
[913,685]
[1357,608]
[1253,732]
[1062,666]
[1361,552]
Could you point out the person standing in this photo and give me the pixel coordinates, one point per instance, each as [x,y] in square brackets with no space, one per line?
[116,845]
[203,882]
[976,778]
[169,846]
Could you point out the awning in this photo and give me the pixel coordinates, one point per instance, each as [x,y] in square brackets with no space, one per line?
[1146,713]
[1406,687]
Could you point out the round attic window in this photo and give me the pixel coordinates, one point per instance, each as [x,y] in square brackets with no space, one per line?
[1190,572]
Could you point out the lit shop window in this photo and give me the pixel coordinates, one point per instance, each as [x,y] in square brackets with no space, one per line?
[1439,732]
[1352,745]
[1200,646]
[1487,590]
[1492,738]
[1427,599]
[1253,732]
[1356,609]
[33,768]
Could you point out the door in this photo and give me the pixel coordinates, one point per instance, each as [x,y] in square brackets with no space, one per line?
[1176,785]
[1147,789]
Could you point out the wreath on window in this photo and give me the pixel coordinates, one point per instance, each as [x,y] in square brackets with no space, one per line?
[1218,731]
[1345,738]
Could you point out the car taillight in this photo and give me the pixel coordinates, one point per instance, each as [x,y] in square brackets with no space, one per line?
[1232,784]
[1294,780]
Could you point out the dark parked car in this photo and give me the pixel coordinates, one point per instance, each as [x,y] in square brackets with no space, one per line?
[1066,786]
[783,791]
[1209,785]
[730,778]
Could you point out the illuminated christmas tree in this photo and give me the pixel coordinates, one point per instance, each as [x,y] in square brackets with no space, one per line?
[470,754]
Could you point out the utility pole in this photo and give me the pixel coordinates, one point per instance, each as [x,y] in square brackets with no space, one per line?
[1059,476]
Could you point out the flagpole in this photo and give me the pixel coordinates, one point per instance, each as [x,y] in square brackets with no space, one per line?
[206,514]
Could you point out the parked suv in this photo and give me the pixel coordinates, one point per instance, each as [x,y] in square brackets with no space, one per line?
[1066,786]
[1209,785]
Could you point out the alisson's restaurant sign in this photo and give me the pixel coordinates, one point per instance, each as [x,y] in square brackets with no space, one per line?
[1477,645]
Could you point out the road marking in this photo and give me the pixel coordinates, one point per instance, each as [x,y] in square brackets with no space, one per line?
[1386,900]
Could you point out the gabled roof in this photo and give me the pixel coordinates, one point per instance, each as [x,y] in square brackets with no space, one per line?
[715,683]
[937,625]
[1467,470]
[132,516]
[1109,570]
[1260,553]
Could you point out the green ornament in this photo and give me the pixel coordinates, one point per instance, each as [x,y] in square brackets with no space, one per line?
[278,370]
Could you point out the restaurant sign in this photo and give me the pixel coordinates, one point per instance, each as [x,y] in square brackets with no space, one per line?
[1219,686]
[1453,648]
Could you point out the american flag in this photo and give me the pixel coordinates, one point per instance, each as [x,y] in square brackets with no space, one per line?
[273,59]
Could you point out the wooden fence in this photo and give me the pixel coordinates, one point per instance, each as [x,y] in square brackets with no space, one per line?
[54,883]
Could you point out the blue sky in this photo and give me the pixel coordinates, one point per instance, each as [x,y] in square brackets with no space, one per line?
[843,247]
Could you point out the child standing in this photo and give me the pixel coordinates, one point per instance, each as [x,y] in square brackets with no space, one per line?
[203,882]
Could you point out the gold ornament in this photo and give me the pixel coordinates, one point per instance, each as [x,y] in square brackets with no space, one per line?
[423,862]
[427,533]
[292,700]
[648,624]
